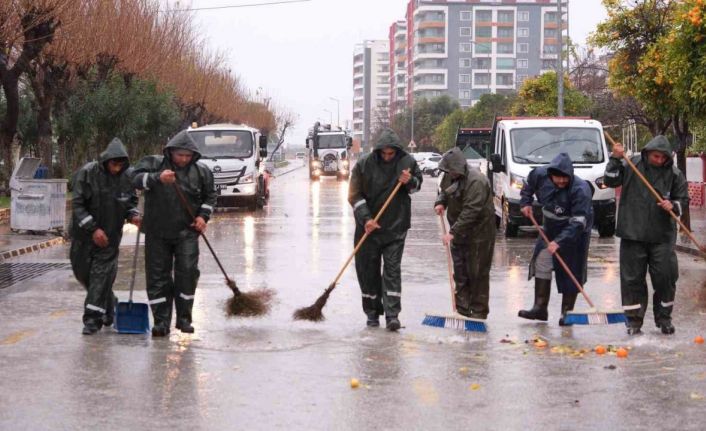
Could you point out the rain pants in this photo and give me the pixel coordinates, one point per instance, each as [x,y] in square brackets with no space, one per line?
[105,201]
[171,245]
[471,215]
[647,232]
[372,181]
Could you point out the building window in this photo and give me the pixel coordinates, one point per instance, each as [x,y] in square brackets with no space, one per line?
[550,17]
[505,63]
[506,16]
[484,31]
[465,15]
[522,32]
[465,47]
[481,79]
[465,32]
[521,79]
[484,16]
[481,63]
[506,48]
[503,79]
[548,64]
[550,49]
[523,48]
[506,32]
[483,48]
[464,63]
[464,79]
[549,33]
[523,16]
[464,94]
[522,63]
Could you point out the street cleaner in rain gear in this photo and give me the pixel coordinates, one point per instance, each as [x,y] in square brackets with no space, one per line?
[103,198]
[171,235]
[568,217]
[647,232]
[465,194]
[373,178]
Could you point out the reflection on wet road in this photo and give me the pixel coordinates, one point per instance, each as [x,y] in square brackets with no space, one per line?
[273,373]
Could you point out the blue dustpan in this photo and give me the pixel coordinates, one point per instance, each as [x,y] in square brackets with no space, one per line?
[132,317]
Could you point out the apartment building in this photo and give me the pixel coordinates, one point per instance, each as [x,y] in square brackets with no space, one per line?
[467,48]
[398,66]
[371,88]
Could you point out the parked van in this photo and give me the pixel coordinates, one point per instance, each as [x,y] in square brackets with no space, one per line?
[521,144]
[234,153]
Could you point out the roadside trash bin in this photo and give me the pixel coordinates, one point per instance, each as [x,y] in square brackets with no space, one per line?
[36,204]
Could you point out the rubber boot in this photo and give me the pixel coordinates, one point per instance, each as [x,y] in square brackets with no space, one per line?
[393,324]
[373,320]
[90,327]
[184,325]
[542,290]
[568,300]
[666,327]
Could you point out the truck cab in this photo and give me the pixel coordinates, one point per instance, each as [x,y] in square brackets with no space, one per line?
[234,153]
[522,144]
[475,143]
[329,152]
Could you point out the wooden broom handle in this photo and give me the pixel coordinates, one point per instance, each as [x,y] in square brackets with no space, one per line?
[657,196]
[562,263]
[365,236]
[449,265]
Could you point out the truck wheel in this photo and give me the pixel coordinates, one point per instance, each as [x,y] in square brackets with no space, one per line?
[510,229]
[606,229]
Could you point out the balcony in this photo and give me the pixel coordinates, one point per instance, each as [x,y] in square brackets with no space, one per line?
[431,24]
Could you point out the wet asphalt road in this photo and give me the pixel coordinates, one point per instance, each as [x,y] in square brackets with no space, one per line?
[273,373]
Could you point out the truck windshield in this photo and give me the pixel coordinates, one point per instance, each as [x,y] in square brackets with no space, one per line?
[223,144]
[332,141]
[541,145]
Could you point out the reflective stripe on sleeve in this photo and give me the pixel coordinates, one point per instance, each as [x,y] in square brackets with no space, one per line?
[631,307]
[358,204]
[207,207]
[144,181]
[85,221]
[365,295]
[612,174]
[158,301]
[579,219]
[678,204]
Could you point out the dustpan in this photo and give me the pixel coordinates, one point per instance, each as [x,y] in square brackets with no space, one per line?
[132,317]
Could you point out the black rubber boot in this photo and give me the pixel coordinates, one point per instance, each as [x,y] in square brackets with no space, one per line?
[160,330]
[90,328]
[184,325]
[634,327]
[666,327]
[542,290]
[373,320]
[568,300]
[393,324]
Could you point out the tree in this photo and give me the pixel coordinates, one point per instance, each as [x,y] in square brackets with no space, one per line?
[538,98]
[428,114]
[25,29]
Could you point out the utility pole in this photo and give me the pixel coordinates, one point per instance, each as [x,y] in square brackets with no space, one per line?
[560,68]
[338,110]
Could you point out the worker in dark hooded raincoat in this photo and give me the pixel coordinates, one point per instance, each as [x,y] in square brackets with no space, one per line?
[103,198]
[171,234]
[647,232]
[373,178]
[568,218]
[465,194]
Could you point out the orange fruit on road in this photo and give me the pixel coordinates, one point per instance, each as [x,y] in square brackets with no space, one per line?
[600,350]
[621,353]
[355,383]
[699,339]
[540,344]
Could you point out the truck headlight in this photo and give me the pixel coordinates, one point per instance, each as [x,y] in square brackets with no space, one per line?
[517,181]
[246,179]
[600,182]
[344,164]
[315,164]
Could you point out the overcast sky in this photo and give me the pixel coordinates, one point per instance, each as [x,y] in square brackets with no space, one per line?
[301,54]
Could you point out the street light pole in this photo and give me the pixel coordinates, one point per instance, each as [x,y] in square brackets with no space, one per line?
[560,69]
[338,111]
[330,115]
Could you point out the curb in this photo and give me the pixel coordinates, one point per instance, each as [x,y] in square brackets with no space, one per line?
[30,248]
[277,174]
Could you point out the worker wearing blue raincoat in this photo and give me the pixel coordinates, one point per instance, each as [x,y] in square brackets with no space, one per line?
[565,200]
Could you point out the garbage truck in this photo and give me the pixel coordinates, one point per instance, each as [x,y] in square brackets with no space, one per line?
[329,152]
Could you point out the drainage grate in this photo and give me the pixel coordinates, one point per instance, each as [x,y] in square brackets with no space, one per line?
[13,273]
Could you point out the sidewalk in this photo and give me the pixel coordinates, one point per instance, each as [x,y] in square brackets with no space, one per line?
[13,244]
[698,227]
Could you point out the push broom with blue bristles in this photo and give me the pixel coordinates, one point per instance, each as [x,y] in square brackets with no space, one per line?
[454,321]
[587,317]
